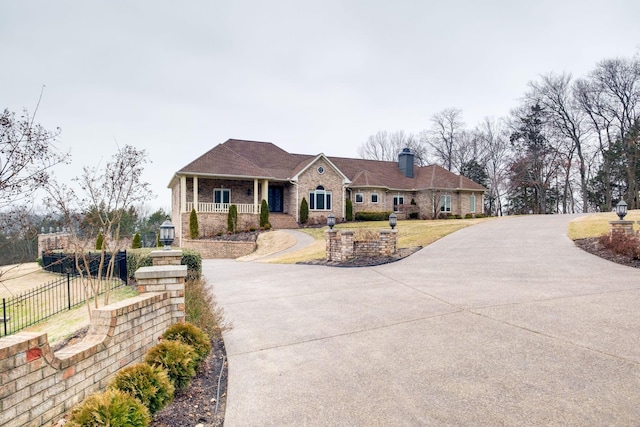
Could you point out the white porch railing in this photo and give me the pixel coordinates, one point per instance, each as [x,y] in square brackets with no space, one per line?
[243,208]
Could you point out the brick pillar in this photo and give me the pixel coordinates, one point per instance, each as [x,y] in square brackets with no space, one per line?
[387,242]
[621,227]
[332,245]
[346,243]
[170,257]
[165,276]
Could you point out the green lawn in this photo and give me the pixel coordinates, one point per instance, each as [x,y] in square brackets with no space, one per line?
[411,233]
[597,224]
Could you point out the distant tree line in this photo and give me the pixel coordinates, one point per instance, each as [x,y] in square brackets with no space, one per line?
[571,145]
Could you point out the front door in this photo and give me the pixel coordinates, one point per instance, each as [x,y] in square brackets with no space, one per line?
[275,201]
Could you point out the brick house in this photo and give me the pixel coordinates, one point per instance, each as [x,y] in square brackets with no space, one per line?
[245,172]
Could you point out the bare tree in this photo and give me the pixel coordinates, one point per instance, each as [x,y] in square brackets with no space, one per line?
[27,154]
[107,193]
[554,92]
[444,136]
[386,146]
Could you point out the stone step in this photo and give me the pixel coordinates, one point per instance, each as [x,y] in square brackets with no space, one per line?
[280,221]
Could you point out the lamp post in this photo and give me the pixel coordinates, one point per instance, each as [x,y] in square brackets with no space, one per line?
[621,209]
[167,234]
[331,221]
[393,220]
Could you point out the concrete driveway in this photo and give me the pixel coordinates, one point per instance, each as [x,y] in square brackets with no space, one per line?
[503,323]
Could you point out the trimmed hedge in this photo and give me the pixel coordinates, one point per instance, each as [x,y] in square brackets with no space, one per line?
[349,210]
[141,258]
[372,216]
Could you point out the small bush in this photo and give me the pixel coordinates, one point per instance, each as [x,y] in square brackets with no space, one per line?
[136,242]
[364,235]
[468,216]
[232,219]
[201,308]
[149,384]
[110,408]
[177,358]
[304,211]
[189,334]
[136,259]
[264,214]
[349,210]
[99,241]
[193,225]
[193,260]
[622,244]
[372,216]
[480,215]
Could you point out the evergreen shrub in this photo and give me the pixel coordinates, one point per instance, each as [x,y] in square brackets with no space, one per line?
[136,242]
[264,214]
[349,210]
[177,358]
[110,408]
[372,216]
[99,241]
[232,219]
[193,224]
[304,211]
[149,384]
[188,333]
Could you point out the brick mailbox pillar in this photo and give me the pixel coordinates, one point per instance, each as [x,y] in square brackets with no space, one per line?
[621,227]
[166,275]
[388,242]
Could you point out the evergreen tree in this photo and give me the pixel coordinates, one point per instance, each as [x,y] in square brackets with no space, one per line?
[99,241]
[264,214]
[193,225]
[349,210]
[136,243]
[232,219]
[304,211]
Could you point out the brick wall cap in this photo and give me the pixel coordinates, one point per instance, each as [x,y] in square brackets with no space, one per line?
[163,253]
[161,271]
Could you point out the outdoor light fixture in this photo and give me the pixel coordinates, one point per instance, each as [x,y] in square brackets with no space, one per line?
[393,220]
[167,234]
[621,209]
[331,221]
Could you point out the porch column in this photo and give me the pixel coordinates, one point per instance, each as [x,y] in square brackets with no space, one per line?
[265,190]
[256,202]
[183,193]
[195,193]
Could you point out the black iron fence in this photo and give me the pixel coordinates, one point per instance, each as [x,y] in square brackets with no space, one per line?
[69,291]
[63,263]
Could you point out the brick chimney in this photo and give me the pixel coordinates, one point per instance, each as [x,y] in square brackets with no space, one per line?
[405,162]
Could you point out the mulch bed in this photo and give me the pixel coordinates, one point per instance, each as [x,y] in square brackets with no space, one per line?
[593,246]
[367,261]
[248,236]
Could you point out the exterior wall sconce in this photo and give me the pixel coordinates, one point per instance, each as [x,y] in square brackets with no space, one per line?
[331,221]
[393,220]
[621,209]
[167,234]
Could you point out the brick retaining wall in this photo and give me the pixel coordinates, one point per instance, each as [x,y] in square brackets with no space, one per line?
[341,245]
[38,386]
[219,249]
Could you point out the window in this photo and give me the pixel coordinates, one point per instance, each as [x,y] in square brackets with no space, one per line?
[359,198]
[221,195]
[374,197]
[397,200]
[320,170]
[445,203]
[320,200]
[472,203]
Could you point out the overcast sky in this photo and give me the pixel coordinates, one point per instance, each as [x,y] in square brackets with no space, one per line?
[177,78]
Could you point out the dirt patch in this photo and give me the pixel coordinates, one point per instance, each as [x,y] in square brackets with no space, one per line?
[593,246]
[250,236]
[270,243]
[367,261]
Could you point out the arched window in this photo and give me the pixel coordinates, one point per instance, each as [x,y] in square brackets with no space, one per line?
[320,199]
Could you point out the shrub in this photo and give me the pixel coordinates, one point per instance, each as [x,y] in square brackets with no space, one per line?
[193,224]
[304,211]
[193,260]
[622,244]
[99,241]
[189,334]
[110,408]
[232,219]
[149,384]
[201,308]
[468,216]
[177,358]
[264,214]
[349,210]
[372,216]
[158,242]
[136,243]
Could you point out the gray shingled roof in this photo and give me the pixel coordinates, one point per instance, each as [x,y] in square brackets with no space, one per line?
[239,158]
